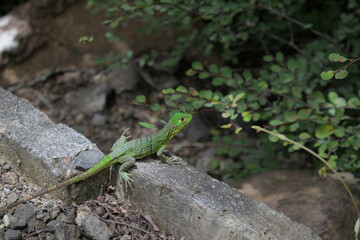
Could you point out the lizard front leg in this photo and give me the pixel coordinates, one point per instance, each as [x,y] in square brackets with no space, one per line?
[162,156]
[120,141]
[126,163]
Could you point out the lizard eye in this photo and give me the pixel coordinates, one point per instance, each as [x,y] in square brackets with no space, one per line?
[182,120]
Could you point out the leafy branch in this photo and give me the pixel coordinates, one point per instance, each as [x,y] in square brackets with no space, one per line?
[284,138]
[340,73]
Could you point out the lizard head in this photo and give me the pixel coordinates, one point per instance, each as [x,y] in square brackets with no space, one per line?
[179,121]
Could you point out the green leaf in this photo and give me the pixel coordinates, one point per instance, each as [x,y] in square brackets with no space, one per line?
[226,114]
[247,75]
[197,65]
[335,57]
[273,138]
[317,96]
[175,97]
[275,122]
[292,65]
[354,102]
[190,72]
[193,91]
[276,68]
[198,103]
[279,56]
[256,116]
[205,93]
[155,107]
[140,99]
[339,132]
[304,135]
[340,102]
[106,22]
[291,117]
[226,125]
[204,75]
[147,125]
[181,89]
[233,117]
[293,127]
[168,91]
[268,58]
[239,96]
[327,75]
[237,131]
[246,116]
[333,96]
[286,78]
[84,39]
[226,72]
[263,84]
[341,74]
[324,131]
[218,81]
[304,113]
[213,68]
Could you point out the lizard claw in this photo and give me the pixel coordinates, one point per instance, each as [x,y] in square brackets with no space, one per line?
[172,160]
[126,178]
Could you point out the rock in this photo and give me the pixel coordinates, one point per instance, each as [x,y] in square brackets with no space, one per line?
[92,99]
[24,215]
[98,119]
[205,159]
[7,219]
[87,159]
[52,224]
[7,191]
[2,233]
[321,204]
[42,150]
[188,203]
[13,197]
[66,231]
[121,79]
[18,223]
[10,178]
[92,226]
[43,216]
[12,30]
[12,234]
[54,211]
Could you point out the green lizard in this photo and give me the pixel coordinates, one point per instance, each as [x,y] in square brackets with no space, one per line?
[125,153]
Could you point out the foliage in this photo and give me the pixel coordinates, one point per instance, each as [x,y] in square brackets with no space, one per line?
[327,163]
[270,56]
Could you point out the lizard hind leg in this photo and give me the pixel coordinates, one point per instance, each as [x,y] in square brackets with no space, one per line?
[126,163]
[120,141]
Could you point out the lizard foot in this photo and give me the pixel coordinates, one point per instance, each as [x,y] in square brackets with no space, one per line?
[172,160]
[126,178]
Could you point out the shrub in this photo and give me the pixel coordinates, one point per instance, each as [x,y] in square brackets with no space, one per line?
[274,70]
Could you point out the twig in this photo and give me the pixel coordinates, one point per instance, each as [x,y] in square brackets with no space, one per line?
[299,24]
[286,139]
[290,43]
[40,231]
[113,221]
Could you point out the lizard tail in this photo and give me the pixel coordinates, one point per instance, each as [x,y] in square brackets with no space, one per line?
[90,172]
[41,192]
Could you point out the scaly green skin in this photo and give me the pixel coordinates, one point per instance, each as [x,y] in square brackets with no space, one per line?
[126,154]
